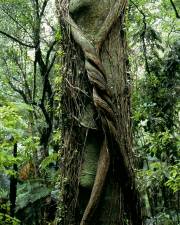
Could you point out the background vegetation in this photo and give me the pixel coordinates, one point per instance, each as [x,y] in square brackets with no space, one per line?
[30,109]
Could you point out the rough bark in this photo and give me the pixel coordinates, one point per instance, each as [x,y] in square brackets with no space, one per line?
[96,101]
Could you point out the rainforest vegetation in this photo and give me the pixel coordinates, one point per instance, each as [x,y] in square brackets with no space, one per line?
[89,112]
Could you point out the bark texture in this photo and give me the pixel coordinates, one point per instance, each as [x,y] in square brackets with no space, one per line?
[99,185]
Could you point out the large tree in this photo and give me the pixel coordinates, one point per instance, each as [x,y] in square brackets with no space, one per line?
[97,181]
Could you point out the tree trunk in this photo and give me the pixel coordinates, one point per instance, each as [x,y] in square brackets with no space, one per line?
[13,184]
[98,184]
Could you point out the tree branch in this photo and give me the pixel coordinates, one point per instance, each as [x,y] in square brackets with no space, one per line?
[49,51]
[143,36]
[23,72]
[43,7]
[45,113]
[175,9]
[16,21]
[34,81]
[21,92]
[16,40]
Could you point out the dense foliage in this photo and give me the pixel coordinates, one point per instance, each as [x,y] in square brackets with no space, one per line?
[155,106]
[29,92]
[30,120]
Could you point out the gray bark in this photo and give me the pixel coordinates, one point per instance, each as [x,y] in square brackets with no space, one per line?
[98,160]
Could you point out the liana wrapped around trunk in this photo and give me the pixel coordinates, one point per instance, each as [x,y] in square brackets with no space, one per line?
[96,109]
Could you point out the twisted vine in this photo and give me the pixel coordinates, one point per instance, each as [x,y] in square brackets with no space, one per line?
[101,96]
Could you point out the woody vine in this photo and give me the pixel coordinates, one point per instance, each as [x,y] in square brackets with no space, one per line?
[102,101]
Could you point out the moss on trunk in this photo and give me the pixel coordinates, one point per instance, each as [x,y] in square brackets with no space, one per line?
[97,28]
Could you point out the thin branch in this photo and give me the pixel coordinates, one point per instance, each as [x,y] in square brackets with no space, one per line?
[49,51]
[45,113]
[43,7]
[16,21]
[51,64]
[48,116]
[19,91]
[175,9]
[47,89]
[143,36]
[23,72]
[36,5]
[34,81]
[46,80]
[16,40]
[49,24]
[39,60]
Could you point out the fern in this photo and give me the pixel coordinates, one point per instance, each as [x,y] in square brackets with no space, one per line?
[29,193]
[48,160]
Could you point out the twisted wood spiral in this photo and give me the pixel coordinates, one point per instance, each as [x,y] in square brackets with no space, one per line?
[101,98]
